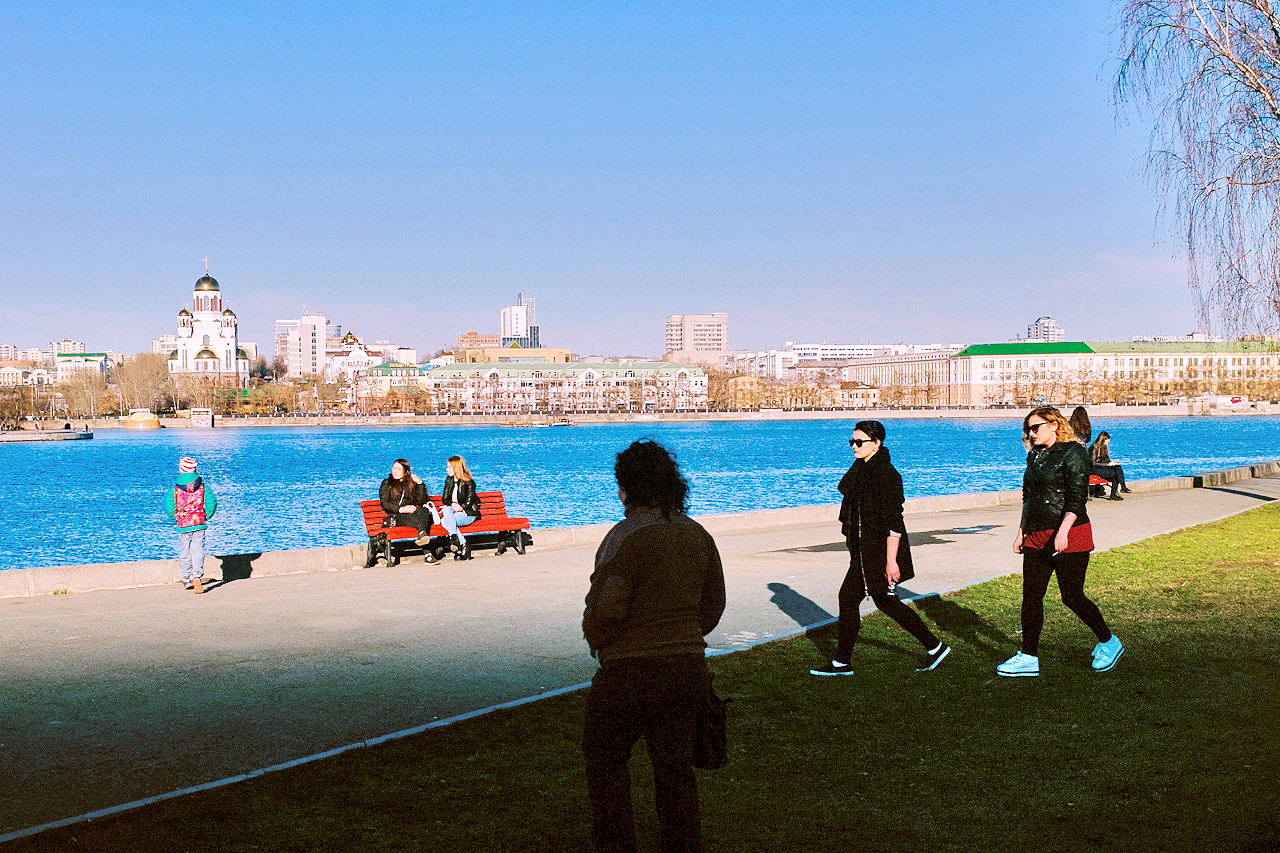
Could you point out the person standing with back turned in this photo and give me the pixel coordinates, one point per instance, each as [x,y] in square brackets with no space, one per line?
[657,590]
[191,504]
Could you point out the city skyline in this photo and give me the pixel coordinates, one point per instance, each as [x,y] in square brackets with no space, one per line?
[823,173]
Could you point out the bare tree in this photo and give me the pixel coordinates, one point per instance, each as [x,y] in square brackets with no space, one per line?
[1206,73]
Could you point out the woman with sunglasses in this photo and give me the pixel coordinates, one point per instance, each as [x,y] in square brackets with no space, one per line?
[1055,536]
[879,556]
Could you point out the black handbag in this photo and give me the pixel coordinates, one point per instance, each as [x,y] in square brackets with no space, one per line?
[711,741]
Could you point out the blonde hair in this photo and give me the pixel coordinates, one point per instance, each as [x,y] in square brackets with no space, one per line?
[458,467]
[1051,415]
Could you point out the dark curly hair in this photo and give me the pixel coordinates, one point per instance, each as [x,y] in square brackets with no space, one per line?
[649,476]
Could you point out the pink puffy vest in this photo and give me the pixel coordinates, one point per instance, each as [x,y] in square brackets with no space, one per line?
[188,506]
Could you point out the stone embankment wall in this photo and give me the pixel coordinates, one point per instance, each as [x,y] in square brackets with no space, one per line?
[52,580]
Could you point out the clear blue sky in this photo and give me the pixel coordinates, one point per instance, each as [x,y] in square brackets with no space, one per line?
[822,171]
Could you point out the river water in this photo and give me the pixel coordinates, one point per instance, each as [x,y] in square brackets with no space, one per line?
[70,502]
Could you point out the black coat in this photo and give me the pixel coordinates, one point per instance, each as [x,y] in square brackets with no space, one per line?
[392,494]
[466,497]
[1056,482]
[871,509]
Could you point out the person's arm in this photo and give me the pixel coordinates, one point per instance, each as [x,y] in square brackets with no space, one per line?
[894,500]
[210,502]
[891,570]
[1060,540]
[608,600]
[169,505]
[711,606]
[384,498]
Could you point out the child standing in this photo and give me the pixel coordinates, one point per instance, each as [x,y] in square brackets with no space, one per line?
[191,504]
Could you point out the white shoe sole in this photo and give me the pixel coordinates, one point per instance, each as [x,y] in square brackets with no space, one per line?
[941,657]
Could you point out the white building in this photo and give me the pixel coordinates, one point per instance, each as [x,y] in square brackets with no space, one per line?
[573,387]
[207,340]
[71,365]
[304,344]
[830,352]
[1046,329]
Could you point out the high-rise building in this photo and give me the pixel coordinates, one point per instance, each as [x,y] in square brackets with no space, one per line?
[304,344]
[1046,329]
[520,324]
[698,333]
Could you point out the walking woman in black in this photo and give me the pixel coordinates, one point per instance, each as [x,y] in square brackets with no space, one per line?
[1055,536]
[879,555]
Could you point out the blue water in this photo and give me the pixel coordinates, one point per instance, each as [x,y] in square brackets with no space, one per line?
[69,502]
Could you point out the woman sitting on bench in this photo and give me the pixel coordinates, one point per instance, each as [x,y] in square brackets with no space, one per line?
[404,499]
[460,505]
[1099,453]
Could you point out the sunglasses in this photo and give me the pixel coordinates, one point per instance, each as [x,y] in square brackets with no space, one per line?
[1032,429]
[858,442]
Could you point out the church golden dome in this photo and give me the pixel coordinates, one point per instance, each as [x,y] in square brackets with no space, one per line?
[207,282]
[206,353]
[228,313]
[184,313]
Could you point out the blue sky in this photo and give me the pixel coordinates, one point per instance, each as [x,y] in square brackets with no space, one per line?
[822,171]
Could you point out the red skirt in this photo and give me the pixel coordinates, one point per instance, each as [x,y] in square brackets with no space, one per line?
[1079,539]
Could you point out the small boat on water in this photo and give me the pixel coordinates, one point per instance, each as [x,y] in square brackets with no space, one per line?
[565,422]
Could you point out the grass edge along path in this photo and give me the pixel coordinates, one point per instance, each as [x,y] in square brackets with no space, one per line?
[1176,749]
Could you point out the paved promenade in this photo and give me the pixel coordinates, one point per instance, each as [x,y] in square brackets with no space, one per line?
[115,695]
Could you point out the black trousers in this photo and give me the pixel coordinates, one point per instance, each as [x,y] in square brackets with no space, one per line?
[420,519]
[852,591]
[1037,566]
[658,699]
[1113,474]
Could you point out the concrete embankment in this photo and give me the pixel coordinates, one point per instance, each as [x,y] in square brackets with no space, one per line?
[54,580]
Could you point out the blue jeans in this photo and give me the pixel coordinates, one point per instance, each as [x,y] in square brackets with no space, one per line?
[191,554]
[451,520]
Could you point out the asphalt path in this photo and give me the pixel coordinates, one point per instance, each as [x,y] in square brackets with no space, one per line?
[117,695]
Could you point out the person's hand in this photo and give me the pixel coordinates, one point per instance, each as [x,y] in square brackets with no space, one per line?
[892,572]
[409,508]
[1017,543]
[1060,542]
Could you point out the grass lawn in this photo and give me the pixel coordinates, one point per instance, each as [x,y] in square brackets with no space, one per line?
[1176,749]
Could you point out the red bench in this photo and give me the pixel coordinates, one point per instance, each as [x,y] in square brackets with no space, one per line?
[493,519]
[1094,482]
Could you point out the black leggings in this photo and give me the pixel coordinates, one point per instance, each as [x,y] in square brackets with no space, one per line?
[1037,566]
[852,591]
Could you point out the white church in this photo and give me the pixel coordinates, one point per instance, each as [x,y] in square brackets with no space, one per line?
[207,340]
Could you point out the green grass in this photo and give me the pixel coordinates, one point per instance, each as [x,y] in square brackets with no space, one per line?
[1176,749]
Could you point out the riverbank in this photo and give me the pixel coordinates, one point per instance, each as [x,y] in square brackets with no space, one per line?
[1097,410]
[61,580]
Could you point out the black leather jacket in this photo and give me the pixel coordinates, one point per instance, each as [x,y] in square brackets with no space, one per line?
[466,495]
[1056,483]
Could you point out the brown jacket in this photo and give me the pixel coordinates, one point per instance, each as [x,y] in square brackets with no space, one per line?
[657,588]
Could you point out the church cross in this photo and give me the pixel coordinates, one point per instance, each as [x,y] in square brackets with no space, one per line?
[206,266]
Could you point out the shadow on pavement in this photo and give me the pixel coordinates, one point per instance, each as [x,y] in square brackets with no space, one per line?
[918,537]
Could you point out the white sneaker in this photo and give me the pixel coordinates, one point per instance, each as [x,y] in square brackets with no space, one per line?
[1106,654]
[1019,665]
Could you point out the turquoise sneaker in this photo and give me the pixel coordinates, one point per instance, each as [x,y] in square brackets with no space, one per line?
[1106,654]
